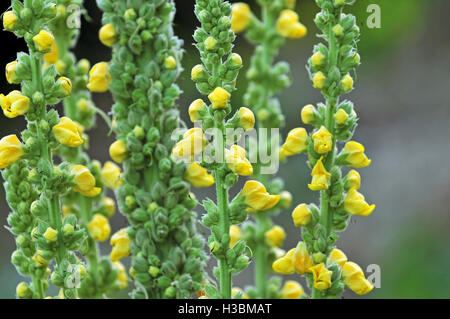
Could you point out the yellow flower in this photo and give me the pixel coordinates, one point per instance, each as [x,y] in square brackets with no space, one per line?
[236,290]
[308,112]
[275,236]
[14,104]
[355,204]
[257,197]
[246,118]
[301,215]
[237,161]
[118,151]
[337,256]
[341,117]
[354,155]
[11,75]
[292,290]
[109,205]
[84,181]
[354,278]
[11,150]
[193,143]
[122,277]
[196,109]
[39,260]
[295,142]
[44,40]
[99,228]
[288,25]
[241,17]
[9,20]
[285,264]
[347,83]
[219,98]
[353,180]
[107,35]
[170,63]
[111,175]
[317,59]
[285,199]
[323,140]
[235,235]
[50,234]
[67,133]
[210,43]
[121,245]
[322,276]
[320,177]
[23,291]
[197,73]
[301,260]
[319,80]
[52,56]
[99,78]
[64,86]
[198,176]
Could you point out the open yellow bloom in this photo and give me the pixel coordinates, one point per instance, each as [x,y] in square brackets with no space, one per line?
[67,133]
[353,180]
[99,78]
[355,156]
[193,143]
[285,265]
[347,83]
[341,117]
[14,104]
[355,204]
[121,245]
[64,86]
[301,215]
[241,17]
[111,175]
[39,260]
[44,40]
[320,177]
[235,235]
[322,276]
[319,80]
[257,197]
[10,72]
[118,151]
[289,26]
[107,35]
[308,114]
[219,98]
[99,227]
[52,56]
[301,260]
[196,109]
[246,118]
[9,20]
[11,149]
[354,278]
[122,277]
[85,181]
[337,256]
[323,140]
[198,176]
[237,161]
[292,290]
[275,236]
[295,142]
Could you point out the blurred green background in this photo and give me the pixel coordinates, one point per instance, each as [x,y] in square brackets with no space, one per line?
[403,99]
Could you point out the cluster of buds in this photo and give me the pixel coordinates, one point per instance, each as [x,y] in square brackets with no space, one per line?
[166,250]
[265,79]
[326,268]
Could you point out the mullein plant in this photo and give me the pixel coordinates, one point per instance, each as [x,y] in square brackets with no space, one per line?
[265,79]
[103,277]
[216,77]
[34,184]
[166,250]
[326,268]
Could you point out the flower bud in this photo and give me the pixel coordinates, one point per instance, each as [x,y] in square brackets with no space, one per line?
[210,43]
[337,256]
[121,245]
[11,73]
[241,17]
[118,151]
[196,110]
[301,215]
[317,59]
[99,228]
[341,117]
[320,177]
[235,235]
[275,236]
[285,199]
[352,180]
[256,196]
[237,161]
[308,114]
[22,289]
[347,83]
[9,20]
[11,149]
[111,175]
[246,118]
[353,155]
[99,78]
[170,63]
[198,176]
[44,41]
[319,80]
[67,132]
[84,181]
[219,98]
[50,235]
[107,35]
[292,290]
[64,86]
[338,30]
[295,142]
[289,26]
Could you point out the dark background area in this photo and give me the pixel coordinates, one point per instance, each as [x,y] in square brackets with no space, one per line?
[402,97]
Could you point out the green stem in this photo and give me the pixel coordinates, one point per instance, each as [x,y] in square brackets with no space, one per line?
[263,224]
[38,287]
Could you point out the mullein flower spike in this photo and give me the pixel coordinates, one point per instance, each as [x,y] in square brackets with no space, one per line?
[326,268]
